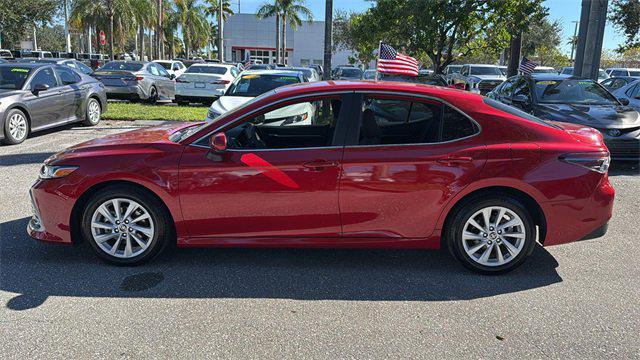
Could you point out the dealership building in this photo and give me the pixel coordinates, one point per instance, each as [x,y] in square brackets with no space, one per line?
[305,45]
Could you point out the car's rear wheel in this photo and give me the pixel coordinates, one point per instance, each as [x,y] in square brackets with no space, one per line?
[153,95]
[126,226]
[492,235]
[92,117]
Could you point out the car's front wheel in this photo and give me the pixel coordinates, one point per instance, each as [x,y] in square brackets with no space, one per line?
[16,127]
[126,226]
[492,235]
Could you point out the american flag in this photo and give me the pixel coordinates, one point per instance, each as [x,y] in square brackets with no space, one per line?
[247,59]
[526,66]
[392,62]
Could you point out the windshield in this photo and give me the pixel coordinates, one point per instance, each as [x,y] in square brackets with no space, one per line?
[13,77]
[120,65]
[166,65]
[485,70]
[256,84]
[351,72]
[573,91]
[307,72]
[207,69]
[453,69]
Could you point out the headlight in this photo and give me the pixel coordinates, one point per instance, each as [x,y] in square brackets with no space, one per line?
[54,172]
[211,114]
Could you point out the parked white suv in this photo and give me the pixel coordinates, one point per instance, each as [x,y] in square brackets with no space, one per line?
[623,72]
[478,78]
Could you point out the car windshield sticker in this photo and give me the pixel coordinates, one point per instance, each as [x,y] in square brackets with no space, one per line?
[22,70]
[252,76]
[584,82]
[288,78]
[547,82]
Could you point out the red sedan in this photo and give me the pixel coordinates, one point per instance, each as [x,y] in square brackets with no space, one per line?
[335,164]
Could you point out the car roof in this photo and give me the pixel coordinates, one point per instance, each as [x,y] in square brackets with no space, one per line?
[26,64]
[481,65]
[624,68]
[552,76]
[206,64]
[128,61]
[271,72]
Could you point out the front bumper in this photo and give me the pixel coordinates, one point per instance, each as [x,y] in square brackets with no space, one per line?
[53,224]
[623,149]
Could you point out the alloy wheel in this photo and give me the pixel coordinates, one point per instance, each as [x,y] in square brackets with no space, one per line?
[122,228]
[493,236]
[18,126]
[94,111]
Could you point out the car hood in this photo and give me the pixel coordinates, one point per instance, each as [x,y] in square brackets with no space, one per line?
[598,116]
[125,141]
[488,77]
[228,103]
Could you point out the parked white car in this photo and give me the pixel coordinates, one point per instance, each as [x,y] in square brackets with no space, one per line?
[252,83]
[478,78]
[204,82]
[623,72]
[173,67]
[544,70]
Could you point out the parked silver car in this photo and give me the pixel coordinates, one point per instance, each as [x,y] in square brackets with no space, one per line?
[36,96]
[630,92]
[136,80]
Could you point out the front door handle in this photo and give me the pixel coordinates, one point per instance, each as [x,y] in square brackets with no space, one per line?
[319,165]
[455,160]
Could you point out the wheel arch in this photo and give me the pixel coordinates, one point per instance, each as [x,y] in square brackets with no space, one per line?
[76,212]
[22,107]
[527,199]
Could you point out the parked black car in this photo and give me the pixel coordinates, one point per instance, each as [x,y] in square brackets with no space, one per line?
[615,83]
[575,100]
[36,96]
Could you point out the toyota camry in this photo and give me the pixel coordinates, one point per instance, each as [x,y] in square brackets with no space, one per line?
[381,165]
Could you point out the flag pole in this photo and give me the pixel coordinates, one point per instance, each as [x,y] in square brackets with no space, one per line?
[378,58]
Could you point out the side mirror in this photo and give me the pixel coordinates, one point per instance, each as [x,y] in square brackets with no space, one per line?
[624,101]
[40,87]
[172,76]
[218,142]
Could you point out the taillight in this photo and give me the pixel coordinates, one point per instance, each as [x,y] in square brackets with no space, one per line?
[595,161]
[139,78]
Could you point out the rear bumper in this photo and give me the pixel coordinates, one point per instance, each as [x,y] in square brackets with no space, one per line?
[199,92]
[125,92]
[574,220]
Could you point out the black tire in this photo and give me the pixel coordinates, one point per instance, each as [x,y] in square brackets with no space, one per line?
[455,228]
[162,223]
[9,139]
[153,95]
[87,117]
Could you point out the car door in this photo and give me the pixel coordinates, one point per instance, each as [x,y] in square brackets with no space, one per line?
[277,180]
[45,107]
[168,84]
[405,158]
[70,93]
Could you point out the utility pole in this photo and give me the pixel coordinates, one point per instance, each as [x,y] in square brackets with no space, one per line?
[328,33]
[35,40]
[573,40]
[514,58]
[220,32]
[590,36]
[67,36]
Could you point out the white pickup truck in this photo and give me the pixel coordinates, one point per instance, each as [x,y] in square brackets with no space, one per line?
[478,78]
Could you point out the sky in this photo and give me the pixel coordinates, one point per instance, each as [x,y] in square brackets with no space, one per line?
[565,11]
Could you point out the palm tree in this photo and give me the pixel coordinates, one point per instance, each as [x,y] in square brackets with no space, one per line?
[213,10]
[291,10]
[268,10]
[193,21]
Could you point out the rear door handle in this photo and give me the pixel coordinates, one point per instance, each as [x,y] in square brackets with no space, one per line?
[455,160]
[319,165]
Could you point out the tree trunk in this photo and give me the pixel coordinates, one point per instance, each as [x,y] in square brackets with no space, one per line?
[277,38]
[159,41]
[111,35]
[514,58]
[284,40]
[328,32]
[141,53]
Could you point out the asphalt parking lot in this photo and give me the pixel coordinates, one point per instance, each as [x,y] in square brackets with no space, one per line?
[572,301]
